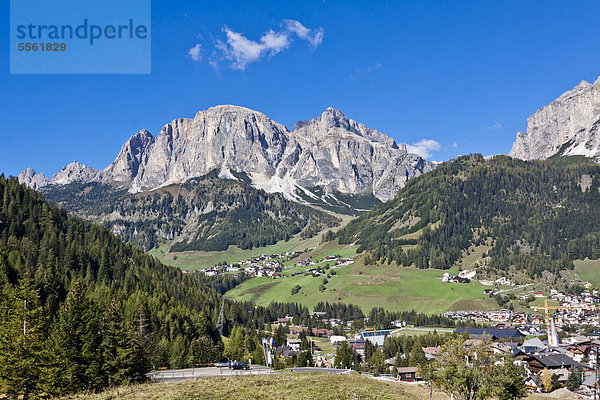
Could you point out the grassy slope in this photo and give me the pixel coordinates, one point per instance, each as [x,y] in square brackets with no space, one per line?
[202,259]
[285,385]
[370,286]
[394,288]
[289,386]
[588,270]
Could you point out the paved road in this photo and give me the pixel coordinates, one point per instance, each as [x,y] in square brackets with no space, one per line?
[176,375]
[317,369]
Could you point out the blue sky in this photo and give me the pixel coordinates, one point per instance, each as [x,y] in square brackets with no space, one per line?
[464,74]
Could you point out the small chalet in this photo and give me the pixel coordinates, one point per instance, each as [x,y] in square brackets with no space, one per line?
[431,352]
[537,363]
[358,346]
[408,374]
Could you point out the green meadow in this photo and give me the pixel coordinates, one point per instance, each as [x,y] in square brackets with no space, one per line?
[588,270]
[192,260]
[391,287]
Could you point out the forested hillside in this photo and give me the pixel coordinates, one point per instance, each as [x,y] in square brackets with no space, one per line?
[535,216]
[206,213]
[81,310]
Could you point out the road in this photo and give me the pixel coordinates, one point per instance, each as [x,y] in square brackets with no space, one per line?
[176,375]
[427,330]
[317,369]
[512,289]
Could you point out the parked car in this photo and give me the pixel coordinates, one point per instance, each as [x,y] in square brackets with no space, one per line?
[223,364]
[238,365]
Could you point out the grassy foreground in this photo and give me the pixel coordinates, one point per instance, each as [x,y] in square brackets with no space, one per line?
[286,385]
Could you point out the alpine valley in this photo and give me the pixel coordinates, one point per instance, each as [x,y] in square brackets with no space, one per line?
[331,219]
[231,185]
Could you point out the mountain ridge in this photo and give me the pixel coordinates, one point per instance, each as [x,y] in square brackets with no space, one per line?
[330,151]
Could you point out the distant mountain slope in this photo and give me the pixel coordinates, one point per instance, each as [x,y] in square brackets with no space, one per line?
[567,126]
[331,153]
[206,213]
[537,216]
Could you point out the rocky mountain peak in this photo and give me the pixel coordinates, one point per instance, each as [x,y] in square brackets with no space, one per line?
[30,178]
[125,167]
[334,123]
[567,126]
[75,172]
[334,118]
[583,84]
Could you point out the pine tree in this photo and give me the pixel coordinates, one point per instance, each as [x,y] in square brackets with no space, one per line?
[75,345]
[346,357]
[133,362]
[22,326]
[573,381]
[112,339]
[417,355]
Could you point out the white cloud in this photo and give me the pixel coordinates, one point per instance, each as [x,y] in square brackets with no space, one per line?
[314,37]
[195,52]
[275,42]
[242,51]
[454,144]
[424,147]
[497,125]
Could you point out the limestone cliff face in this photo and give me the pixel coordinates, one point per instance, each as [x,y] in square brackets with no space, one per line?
[32,179]
[344,156]
[75,172]
[569,126]
[133,153]
[330,151]
[223,137]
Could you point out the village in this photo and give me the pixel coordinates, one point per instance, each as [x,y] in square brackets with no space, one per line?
[273,265]
[572,311]
[565,352]
[553,335]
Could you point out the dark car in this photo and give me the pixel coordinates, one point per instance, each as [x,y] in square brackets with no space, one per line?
[238,365]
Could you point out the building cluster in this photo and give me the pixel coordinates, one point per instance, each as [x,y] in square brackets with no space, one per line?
[529,323]
[574,310]
[447,278]
[272,265]
[575,354]
[507,330]
[586,297]
[262,265]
